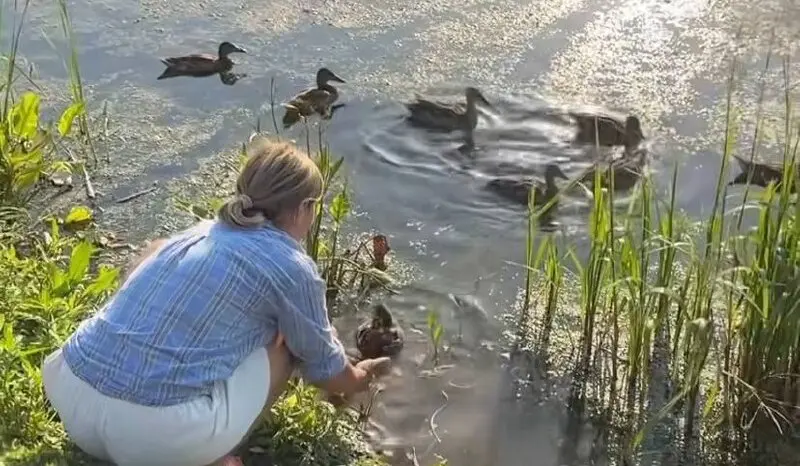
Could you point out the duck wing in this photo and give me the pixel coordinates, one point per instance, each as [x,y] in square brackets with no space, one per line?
[199,65]
[312,100]
[436,115]
[513,189]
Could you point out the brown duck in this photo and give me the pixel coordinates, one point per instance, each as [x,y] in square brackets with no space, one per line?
[518,189]
[317,100]
[379,336]
[626,170]
[203,64]
[607,129]
[762,174]
[439,116]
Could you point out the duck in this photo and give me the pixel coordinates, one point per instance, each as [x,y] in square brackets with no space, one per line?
[518,189]
[626,170]
[611,130]
[317,99]
[202,64]
[439,116]
[379,336]
[762,173]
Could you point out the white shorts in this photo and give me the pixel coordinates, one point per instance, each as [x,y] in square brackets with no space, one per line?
[195,433]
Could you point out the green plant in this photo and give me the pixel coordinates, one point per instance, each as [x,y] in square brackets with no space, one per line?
[49,286]
[435,333]
[302,430]
[674,324]
[26,149]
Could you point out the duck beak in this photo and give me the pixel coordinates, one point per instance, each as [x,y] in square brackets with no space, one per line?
[484,101]
[336,78]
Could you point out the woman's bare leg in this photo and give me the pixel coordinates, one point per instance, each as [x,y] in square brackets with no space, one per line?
[280,369]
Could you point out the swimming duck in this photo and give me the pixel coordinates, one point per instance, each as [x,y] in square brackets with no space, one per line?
[518,189]
[439,116]
[202,64]
[626,170]
[313,100]
[611,130]
[379,336]
[763,173]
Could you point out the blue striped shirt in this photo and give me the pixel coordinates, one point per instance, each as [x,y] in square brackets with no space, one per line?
[192,311]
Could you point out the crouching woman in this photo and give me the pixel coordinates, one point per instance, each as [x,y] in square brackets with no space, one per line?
[206,330]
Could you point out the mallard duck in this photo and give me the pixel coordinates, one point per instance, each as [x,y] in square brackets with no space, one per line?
[313,100]
[763,173]
[518,189]
[202,64]
[626,170]
[447,117]
[379,336]
[610,129]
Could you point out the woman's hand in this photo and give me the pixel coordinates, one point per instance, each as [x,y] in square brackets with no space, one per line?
[374,367]
[355,378]
[365,372]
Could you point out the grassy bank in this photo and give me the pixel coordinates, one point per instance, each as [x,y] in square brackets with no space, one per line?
[685,334]
[57,269]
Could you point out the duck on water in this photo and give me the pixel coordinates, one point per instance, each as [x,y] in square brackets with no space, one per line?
[315,100]
[201,65]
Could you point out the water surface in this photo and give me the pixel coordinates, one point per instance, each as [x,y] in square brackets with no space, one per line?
[664,60]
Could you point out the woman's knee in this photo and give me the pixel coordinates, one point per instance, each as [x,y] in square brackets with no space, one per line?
[280,370]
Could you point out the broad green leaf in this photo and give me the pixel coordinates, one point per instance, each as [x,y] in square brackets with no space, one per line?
[9,343]
[79,261]
[105,281]
[25,179]
[69,115]
[78,217]
[432,320]
[58,280]
[340,207]
[25,116]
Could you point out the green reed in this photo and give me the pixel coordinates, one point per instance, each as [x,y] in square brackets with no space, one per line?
[674,325]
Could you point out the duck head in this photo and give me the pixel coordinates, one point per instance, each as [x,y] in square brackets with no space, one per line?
[553,171]
[474,95]
[381,317]
[633,130]
[324,75]
[227,48]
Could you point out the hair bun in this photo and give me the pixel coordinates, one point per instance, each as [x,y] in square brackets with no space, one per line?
[246,201]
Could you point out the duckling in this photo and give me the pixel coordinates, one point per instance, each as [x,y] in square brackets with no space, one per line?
[438,116]
[313,100]
[763,173]
[610,130]
[201,65]
[518,189]
[379,336]
[626,171]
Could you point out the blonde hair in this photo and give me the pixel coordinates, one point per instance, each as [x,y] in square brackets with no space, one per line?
[276,179]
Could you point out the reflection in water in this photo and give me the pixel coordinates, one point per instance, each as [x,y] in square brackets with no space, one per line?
[230,78]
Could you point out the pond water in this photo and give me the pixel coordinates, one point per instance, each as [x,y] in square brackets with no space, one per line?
[663,60]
